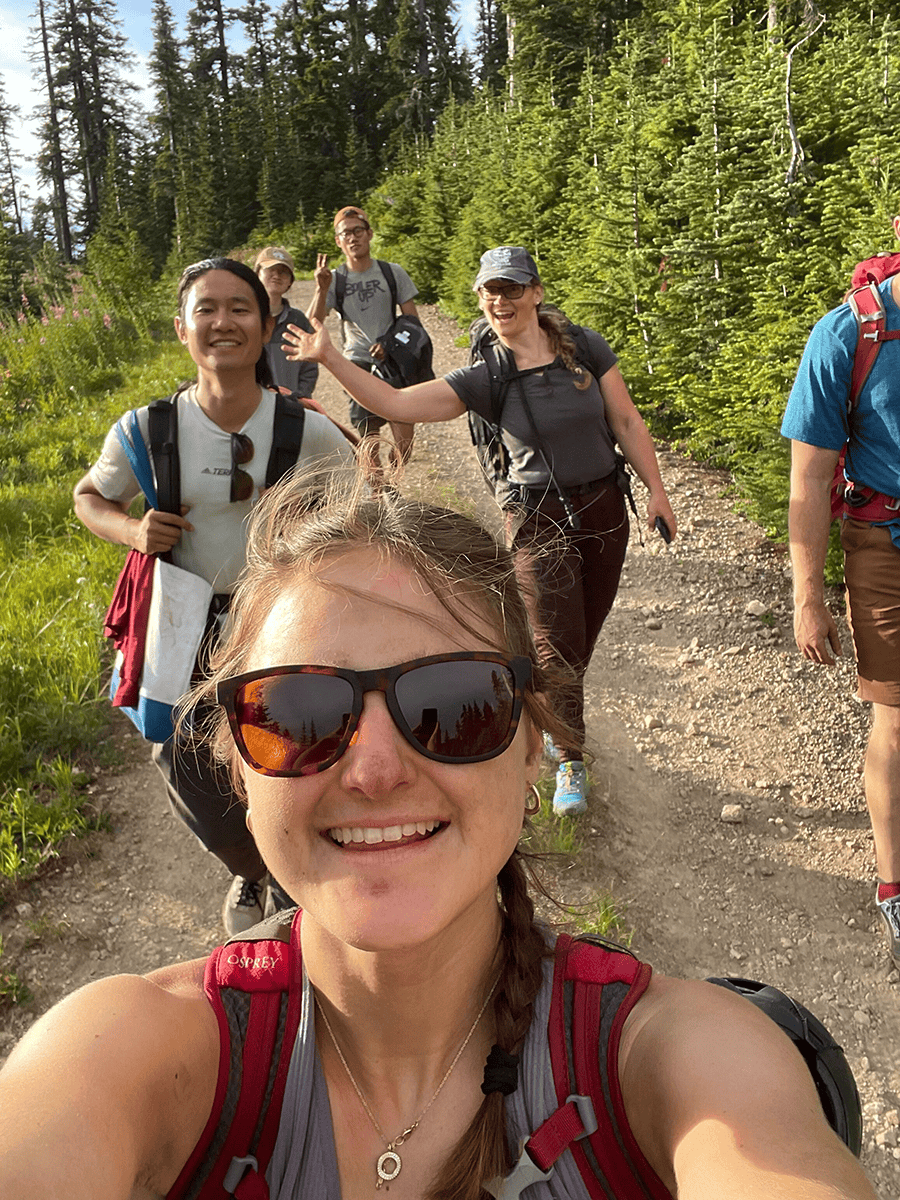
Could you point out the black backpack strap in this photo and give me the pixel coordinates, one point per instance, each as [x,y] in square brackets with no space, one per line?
[585,358]
[287,437]
[387,272]
[162,418]
[501,369]
[340,289]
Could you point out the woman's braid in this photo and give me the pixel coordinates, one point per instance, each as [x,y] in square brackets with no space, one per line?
[483,1152]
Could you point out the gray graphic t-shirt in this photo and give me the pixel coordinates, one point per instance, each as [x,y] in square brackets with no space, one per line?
[367,307]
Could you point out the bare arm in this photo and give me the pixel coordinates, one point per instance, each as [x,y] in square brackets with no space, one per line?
[106,1096]
[431,401]
[322,278]
[153,533]
[809,520]
[632,434]
[722,1104]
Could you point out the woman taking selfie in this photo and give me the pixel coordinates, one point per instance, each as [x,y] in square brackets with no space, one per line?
[382,710]
[563,407]
[230,435]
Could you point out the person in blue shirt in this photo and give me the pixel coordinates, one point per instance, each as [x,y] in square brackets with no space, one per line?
[818,423]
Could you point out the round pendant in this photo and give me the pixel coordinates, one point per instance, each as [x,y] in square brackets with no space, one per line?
[388,1166]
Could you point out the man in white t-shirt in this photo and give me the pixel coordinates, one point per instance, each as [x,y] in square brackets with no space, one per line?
[366,311]
[225,427]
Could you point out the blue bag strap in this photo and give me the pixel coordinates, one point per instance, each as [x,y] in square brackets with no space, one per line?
[136,451]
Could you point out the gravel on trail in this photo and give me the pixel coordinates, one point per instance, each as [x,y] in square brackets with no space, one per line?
[727,816]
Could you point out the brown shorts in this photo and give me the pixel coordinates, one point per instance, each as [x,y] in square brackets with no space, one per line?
[872,575]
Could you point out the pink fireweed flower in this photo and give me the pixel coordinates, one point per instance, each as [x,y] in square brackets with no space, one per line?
[107,320]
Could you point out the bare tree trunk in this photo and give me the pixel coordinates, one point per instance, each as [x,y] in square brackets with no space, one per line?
[511,50]
[797,155]
[61,203]
[222,53]
[82,114]
[9,170]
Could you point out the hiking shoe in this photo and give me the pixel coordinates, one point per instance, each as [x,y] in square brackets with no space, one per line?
[244,905]
[278,899]
[571,784]
[890,914]
[550,749]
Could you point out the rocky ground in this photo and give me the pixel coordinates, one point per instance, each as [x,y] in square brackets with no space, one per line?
[727,817]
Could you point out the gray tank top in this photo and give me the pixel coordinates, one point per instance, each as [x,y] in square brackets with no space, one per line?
[304,1163]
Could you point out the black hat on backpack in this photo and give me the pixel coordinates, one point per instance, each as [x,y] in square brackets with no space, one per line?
[825,1059]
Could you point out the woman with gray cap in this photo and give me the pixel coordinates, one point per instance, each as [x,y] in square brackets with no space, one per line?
[565,406]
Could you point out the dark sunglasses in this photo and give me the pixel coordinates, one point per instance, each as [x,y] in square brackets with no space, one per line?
[509,291]
[452,708]
[241,452]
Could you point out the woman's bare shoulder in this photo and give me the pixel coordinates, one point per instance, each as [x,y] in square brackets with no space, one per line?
[123,1073]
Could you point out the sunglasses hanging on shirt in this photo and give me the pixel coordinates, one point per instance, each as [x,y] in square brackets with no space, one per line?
[242,452]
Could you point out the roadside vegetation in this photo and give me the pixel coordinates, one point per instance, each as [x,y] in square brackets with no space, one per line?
[73,356]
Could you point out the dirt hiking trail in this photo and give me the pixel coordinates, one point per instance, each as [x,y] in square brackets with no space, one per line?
[697,700]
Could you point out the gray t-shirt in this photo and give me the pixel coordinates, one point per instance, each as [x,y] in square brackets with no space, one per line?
[300,377]
[368,312]
[571,422]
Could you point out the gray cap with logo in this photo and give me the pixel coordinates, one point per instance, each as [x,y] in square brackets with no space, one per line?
[506,262]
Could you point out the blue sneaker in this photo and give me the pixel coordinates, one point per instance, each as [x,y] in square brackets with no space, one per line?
[571,784]
[550,749]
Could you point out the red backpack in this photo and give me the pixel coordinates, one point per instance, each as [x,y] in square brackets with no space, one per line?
[875,269]
[847,497]
[255,989]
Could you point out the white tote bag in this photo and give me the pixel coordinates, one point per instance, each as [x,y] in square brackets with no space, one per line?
[179,605]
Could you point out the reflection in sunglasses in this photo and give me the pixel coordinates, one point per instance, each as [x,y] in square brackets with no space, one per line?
[452,708]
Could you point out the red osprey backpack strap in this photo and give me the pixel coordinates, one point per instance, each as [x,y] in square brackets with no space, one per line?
[863,504]
[595,987]
[875,269]
[868,309]
[254,986]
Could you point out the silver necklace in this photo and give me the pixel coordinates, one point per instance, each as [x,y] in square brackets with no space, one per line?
[390,1164]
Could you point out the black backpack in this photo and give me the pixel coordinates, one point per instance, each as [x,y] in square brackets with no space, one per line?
[287,438]
[408,352]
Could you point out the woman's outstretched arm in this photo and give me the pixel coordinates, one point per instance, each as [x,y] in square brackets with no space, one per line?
[723,1105]
[431,401]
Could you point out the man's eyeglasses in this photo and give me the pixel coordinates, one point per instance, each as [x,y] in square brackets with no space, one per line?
[509,291]
[452,708]
[241,453]
[348,233]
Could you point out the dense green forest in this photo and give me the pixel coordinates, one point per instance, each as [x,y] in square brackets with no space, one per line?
[695,177]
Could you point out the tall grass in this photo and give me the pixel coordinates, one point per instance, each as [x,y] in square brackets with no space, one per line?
[69,366]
